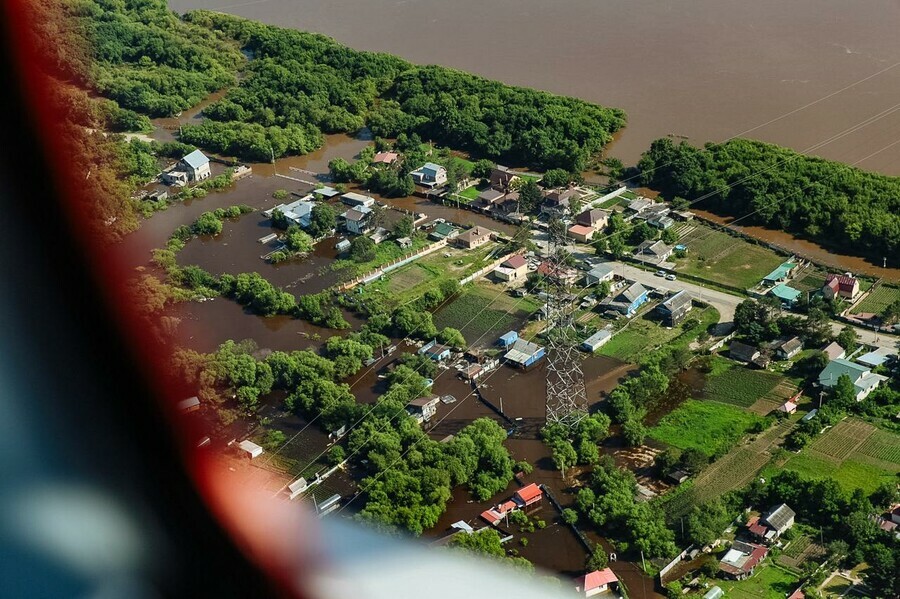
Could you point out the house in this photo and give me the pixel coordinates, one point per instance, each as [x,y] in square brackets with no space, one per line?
[661,222]
[741,559]
[299,212]
[786,293]
[597,340]
[443,231]
[599,273]
[556,202]
[895,514]
[514,268]
[678,476]
[507,339]
[561,273]
[789,348]
[195,165]
[474,237]
[654,252]
[405,242]
[472,372]
[834,351]
[386,158]
[595,218]
[502,178]
[379,235]
[581,233]
[876,357]
[191,404]
[787,407]
[355,200]
[768,528]
[863,379]
[423,409]
[434,350]
[250,448]
[843,286]
[356,220]
[674,309]
[596,582]
[780,274]
[638,205]
[682,215]
[486,200]
[743,352]
[797,594]
[628,301]
[430,175]
[523,354]
[528,495]
[326,192]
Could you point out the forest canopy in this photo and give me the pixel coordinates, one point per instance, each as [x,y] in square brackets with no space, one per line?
[837,205]
[297,86]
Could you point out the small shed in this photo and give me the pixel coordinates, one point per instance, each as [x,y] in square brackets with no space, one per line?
[297,487]
[191,404]
[597,340]
[342,246]
[523,353]
[404,242]
[250,448]
[507,339]
[787,407]
[714,593]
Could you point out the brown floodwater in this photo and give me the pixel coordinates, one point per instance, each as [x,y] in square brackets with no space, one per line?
[811,250]
[704,69]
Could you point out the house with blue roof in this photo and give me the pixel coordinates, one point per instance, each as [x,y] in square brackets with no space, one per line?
[196,165]
[430,175]
[864,380]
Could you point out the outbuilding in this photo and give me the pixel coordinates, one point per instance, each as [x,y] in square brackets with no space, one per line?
[507,339]
[250,448]
[523,353]
[191,404]
[597,340]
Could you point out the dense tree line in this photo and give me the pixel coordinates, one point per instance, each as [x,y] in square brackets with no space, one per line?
[834,204]
[298,78]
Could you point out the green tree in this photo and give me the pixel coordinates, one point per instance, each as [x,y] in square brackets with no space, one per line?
[404,227]
[322,220]
[362,249]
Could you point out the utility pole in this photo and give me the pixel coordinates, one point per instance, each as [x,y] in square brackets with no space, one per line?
[501,405]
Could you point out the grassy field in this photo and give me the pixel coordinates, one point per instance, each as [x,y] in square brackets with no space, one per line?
[733,471]
[385,252]
[879,299]
[768,582]
[708,426]
[470,193]
[854,453]
[644,333]
[724,259]
[484,312]
[740,386]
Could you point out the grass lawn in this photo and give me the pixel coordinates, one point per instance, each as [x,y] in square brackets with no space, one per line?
[385,252]
[643,333]
[470,193]
[879,299]
[740,386]
[853,453]
[708,426]
[767,582]
[724,259]
[482,313]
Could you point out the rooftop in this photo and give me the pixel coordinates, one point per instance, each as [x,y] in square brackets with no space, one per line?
[195,159]
[516,261]
[781,272]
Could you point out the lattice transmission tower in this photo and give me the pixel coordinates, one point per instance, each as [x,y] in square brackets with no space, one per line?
[566,396]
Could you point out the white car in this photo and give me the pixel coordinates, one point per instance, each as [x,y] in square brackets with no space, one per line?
[670,277]
[660,273]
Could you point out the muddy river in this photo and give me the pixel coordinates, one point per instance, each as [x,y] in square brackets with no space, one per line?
[703,69]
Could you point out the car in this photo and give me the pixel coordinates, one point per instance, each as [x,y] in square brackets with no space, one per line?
[660,273]
[670,277]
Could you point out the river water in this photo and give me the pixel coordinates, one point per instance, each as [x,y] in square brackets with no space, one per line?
[704,69]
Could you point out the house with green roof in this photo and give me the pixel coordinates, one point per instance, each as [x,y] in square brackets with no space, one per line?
[443,231]
[780,274]
[785,293]
[863,379]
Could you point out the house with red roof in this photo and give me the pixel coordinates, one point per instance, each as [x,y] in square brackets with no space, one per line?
[528,495]
[596,582]
[843,286]
[385,158]
[514,268]
[740,561]
[798,594]
[582,233]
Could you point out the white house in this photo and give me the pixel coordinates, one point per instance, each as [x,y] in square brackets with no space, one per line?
[430,175]
[864,380]
[596,582]
[356,220]
[512,269]
[196,165]
[250,448]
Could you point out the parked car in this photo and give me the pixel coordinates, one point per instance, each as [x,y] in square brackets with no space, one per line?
[670,277]
[660,273]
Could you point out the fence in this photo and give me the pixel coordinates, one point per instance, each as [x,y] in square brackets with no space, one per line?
[665,569]
[393,265]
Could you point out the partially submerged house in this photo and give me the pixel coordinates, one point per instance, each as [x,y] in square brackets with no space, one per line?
[385,158]
[864,380]
[423,409]
[355,200]
[675,308]
[251,449]
[356,220]
[436,351]
[430,175]
[299,212]
[196,165]
[596,582]
[191,404]
[523,354]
